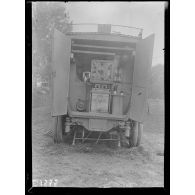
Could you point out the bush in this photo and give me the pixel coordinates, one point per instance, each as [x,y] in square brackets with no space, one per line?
[156,87]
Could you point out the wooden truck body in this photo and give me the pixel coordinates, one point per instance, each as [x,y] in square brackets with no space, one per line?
[100,82]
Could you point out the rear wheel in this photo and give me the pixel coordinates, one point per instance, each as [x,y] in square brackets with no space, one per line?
[140,131]
[136,134]
[133,135]
[58,128]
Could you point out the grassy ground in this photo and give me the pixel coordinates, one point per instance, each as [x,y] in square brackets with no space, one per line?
[90,165]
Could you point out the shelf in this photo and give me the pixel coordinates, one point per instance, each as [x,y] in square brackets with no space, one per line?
[102,82]
[98,91]
[93,52]
[103,47]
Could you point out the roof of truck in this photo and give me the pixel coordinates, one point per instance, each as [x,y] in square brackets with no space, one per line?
[97,33]
[109,30]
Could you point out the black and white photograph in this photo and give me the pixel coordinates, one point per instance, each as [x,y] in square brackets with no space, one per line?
[98,94]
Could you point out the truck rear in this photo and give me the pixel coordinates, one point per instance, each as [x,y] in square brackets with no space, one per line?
[100,83]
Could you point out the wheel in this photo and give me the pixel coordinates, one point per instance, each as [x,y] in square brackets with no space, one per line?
[57,127]
[140,131]
[133,135]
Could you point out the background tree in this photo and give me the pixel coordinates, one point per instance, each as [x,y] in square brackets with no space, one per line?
[45,17]
[156,89]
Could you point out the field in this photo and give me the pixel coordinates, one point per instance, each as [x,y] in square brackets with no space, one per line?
[98,165]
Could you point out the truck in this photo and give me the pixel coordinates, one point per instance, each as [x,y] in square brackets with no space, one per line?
[100,83]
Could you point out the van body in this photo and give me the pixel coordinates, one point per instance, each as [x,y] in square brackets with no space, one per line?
[100,82]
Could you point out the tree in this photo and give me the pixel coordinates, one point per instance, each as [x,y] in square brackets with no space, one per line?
[157,82]
[45,17]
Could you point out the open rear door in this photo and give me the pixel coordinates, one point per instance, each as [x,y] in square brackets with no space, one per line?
[141,74]
[60,72]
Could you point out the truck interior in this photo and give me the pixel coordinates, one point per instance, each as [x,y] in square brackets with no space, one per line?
[101,74]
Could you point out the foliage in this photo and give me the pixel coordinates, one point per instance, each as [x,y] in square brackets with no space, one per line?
[156,89]
[45,17]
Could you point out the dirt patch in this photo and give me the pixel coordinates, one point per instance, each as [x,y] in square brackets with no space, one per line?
[96,165]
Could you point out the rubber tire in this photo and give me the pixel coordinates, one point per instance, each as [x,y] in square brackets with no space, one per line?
[57,127]
[133,135]
[139,136]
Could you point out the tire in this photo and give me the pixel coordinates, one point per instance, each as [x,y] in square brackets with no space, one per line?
[140,131]
[133,135]
[57,127]
[124,140]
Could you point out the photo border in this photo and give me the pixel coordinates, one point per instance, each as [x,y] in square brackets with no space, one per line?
[28,118]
